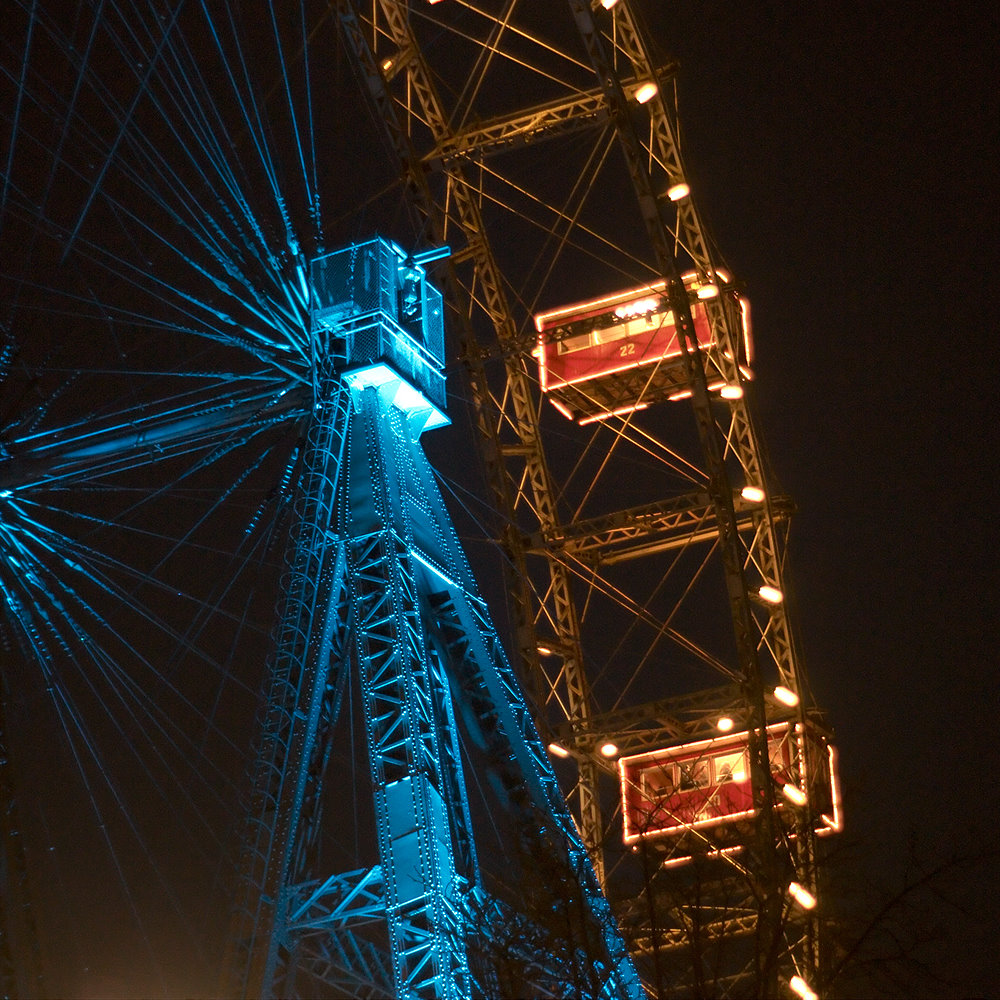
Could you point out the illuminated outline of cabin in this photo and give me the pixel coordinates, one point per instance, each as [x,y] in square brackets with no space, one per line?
[620,352]
[706,784]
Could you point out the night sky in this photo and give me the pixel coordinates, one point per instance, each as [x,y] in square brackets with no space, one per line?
[847,166]
[844,157]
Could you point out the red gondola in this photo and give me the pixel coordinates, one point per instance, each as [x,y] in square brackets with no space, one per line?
[620,352]
[677,792]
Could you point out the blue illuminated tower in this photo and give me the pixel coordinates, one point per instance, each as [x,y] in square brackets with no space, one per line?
[379,585]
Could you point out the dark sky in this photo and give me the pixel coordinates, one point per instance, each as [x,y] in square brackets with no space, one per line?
[845,157]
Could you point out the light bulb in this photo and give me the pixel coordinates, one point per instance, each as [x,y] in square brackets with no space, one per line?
[802,896]
[645,91]
[786,696]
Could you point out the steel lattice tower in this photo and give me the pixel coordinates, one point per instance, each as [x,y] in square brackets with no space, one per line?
[737,923]
[379,584]
[194,385]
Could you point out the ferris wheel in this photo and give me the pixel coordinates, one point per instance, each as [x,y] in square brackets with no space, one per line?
[173,177]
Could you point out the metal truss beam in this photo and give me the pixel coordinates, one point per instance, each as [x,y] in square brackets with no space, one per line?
[343,959]
[745,624]
[304,673]
[657,163]
[379,584]
[409,722]
[542,121]
[409,105]
[338,900]
[653,724]
[643,531]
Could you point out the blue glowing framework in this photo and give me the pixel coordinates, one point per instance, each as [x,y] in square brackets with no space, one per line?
[379,581]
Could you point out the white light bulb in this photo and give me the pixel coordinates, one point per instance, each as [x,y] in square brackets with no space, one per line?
[802,988]
[786,696]
[802,896]
[645,92]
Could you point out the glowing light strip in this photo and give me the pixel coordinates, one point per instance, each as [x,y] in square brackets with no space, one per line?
[564,410]
[427,564]
[835,823]
[722,852]
[714,743]
[663,831]
[611,371]
[747,335]
[542,319]
[691,280]
[613,413]
[543,371]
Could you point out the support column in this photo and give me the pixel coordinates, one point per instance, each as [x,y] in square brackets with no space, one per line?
[408,718]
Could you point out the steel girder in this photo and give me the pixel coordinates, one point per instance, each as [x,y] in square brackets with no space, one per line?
[535,124]
[456,149]
[755,630]
[647,530]
[418,785]
[379,583]
[299,707]
[759,543]
[455,216]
